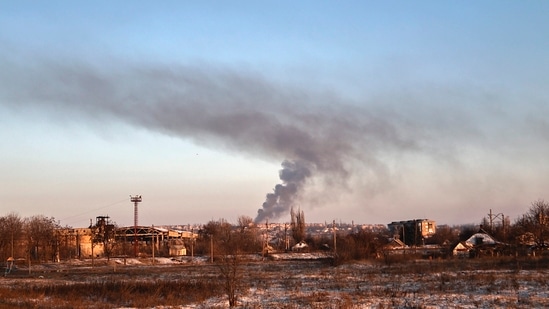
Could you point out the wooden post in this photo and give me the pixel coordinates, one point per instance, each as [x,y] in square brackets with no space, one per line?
[335,236]
[211,249]
[192,244]
[153,235]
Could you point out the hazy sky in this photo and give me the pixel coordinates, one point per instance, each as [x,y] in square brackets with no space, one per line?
[364,111]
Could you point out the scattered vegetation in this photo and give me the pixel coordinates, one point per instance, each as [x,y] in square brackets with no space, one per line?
[358,268]
[287,284]
[37,238]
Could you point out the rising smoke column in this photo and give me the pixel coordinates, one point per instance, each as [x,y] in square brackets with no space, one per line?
[293,175]
[321,137]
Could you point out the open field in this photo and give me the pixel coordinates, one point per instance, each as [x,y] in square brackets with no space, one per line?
[283,283]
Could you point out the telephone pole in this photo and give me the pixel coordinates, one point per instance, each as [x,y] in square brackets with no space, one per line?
[136,200]
[335,237]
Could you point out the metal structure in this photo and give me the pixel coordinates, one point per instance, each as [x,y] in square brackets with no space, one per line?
[500,216]
[135,200]
[493,216]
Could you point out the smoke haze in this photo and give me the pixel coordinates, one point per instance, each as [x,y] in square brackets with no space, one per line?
[326,143]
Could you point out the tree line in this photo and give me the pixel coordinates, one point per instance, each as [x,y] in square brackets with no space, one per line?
[37,238]
[34,238]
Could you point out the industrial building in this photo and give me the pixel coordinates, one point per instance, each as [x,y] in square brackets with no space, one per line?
[104,239]
[413,232]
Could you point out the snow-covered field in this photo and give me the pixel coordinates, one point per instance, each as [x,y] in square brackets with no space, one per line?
[366,285]
[305,281]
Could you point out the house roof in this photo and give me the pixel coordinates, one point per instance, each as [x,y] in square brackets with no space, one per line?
[480,239]
[300,245]
[395,243]
[462,245]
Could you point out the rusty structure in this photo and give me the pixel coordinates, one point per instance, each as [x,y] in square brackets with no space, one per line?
[103,239]
[413,232]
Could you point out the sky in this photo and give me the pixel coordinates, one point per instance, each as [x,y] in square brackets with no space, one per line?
[355,111]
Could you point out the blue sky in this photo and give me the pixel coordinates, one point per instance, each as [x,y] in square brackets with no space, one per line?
[382,110]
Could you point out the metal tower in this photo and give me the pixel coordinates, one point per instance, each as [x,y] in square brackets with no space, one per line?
[136,200]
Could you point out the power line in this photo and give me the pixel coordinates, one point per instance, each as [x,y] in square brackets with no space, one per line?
[92,210]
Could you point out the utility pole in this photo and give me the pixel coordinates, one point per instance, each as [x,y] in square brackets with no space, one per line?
[78,249]
[266,238]
[404,236]
[135,200]
[192,245]
[211,248]
[286,243]
[335,237]
[415,233]
[153,236]
[496,216]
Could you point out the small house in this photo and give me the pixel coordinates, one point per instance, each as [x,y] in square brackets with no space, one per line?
[478,244]
[177,247]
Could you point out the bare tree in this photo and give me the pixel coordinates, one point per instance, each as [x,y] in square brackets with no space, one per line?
[535,222]
[297,225]
[11,230]
[213,235]
[227,242]
[42,240]
[445,236]
[230,267]
[245,222]
[249,241]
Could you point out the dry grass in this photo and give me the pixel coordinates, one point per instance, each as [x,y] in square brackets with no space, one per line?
[107,293]
[287,284]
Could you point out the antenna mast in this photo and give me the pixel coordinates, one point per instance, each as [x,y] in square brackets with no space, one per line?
[136,200]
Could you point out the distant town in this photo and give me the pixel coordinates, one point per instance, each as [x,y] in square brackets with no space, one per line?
[40,239]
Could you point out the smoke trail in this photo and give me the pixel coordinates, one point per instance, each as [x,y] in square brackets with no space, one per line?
[319,135]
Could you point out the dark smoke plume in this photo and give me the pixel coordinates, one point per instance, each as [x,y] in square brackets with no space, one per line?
[293,176]
[319,135]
